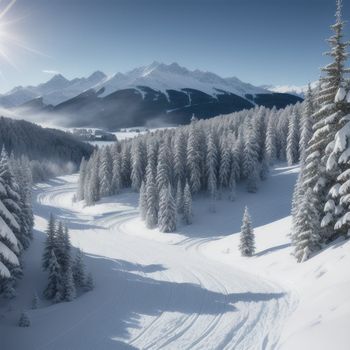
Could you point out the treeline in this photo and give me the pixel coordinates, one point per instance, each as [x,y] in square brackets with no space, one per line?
[16,219]
[321,203]
[208,155]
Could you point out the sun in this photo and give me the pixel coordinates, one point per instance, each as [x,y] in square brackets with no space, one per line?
[10,41]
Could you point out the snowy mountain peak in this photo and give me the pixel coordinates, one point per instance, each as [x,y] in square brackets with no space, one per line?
[97,75]
[157,76]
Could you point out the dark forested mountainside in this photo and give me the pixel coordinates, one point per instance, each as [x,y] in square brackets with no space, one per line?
[145,106]
[24,138]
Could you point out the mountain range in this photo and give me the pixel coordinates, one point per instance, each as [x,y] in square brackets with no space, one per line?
[154,94]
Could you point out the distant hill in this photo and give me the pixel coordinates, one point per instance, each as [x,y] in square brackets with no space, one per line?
[22,137]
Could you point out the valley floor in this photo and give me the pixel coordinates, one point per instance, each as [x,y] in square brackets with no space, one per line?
[189,290]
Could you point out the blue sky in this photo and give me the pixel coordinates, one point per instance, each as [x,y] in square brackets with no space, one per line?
[259,41]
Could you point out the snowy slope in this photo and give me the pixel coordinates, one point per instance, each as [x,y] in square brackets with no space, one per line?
[189,290]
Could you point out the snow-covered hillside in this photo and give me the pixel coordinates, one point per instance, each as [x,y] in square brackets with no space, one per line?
[189,290]
[158,76]
[162,77]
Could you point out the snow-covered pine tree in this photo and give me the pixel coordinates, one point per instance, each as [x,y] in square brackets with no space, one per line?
[167,210]
[164,175]
[251,164]
[68,287]
[105,173]
[337,208]
[35,301]
[212,166]
[137,164]
[116,169]
[50,243]
[81,181]
[187,212]
[293,140]
[270,142]
[63,247]
[24,320]
[306,122]
[8,256]
[225,165]
[54,287]
[247,238]
[180,156]
[126,164]
[152,201]
[93,188]
[194,157]
[152,157]
[143,201]
[11,198]
[22,173]
[305,238]
[89,284]
[328,121]
[78,269]
[179,197]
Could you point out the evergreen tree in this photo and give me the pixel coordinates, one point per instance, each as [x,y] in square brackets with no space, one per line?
[89,284]
[179,198]
[167,211]
[337,207]
[143,201]
[225,165]
[137,161]
[180,156]
[212,165]
[24,320]
[126,165]
[152,202]
[247,239]
[93,189]
[10,197]
[116,170]
[163,167]
[105,173]
[293,140]
[63,247]
[35,302]
[54,287]
[305,238]
[194,157]
[270,143]
[187,212]
[251,163]
[78,269]
[328,121]
[50,242]
[306,122]
[81,181]
[68,287]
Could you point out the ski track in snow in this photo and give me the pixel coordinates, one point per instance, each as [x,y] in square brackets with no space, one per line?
[207,304]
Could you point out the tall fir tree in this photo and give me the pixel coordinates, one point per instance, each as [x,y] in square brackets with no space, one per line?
[167,210]
[247,238]
[187,212]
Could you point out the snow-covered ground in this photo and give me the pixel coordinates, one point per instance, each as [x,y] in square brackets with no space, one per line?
[189,290]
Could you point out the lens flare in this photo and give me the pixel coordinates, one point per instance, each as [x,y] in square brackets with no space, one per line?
[9,40]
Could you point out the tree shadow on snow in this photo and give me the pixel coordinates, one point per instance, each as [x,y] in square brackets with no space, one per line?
[271,203]
[124,291]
